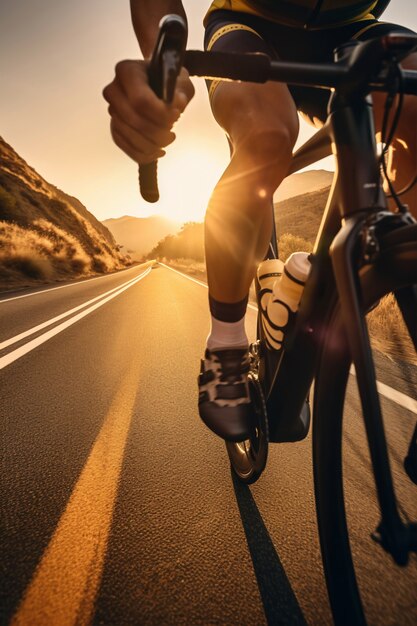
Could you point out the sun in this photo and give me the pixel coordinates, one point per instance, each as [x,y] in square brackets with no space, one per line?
[187,177]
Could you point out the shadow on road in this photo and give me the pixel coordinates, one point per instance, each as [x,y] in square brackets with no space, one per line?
[278,599]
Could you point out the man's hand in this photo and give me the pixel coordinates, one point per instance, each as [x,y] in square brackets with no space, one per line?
[141,124]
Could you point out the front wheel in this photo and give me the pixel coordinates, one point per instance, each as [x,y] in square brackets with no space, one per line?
[364,584]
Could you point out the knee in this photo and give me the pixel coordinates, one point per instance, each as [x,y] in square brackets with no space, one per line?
[403,150]
[408,118]
[265,139]
[408,122]
[265,150]
[262,124]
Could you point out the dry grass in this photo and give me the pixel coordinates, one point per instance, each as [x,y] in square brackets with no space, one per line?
[23,252]
[45,253]
[45,234]
[287,244]
[388,332]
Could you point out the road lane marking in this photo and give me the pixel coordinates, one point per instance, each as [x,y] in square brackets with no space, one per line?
[35,329]
[385,390]
[31,345]
[65,583]
[199,282]
[392,394]
[79,282]
[397,396]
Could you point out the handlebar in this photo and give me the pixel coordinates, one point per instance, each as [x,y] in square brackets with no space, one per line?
[354,67]
[359,67]
[163,70]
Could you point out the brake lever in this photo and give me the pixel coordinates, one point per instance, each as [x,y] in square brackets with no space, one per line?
[163,70]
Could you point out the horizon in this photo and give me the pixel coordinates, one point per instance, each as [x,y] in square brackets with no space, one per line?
[55,118]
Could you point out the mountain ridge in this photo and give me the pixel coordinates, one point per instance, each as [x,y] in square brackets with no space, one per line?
[138,235]
[303,182]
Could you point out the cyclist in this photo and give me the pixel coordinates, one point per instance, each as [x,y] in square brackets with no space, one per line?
[261,124]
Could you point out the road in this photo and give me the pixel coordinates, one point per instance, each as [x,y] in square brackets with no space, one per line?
[118,506]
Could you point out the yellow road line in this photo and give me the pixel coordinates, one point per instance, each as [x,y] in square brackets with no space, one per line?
[65,584]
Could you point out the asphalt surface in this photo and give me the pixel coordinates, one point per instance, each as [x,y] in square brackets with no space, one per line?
[118,506]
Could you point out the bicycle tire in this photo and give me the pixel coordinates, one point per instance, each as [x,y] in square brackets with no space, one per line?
[396,270]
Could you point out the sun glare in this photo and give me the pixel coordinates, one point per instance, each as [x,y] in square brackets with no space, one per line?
[186,182]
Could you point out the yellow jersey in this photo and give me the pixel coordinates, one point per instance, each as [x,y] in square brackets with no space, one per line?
[306,13]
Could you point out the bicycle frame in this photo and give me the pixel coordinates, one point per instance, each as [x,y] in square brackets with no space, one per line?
[356,203]
[352,128]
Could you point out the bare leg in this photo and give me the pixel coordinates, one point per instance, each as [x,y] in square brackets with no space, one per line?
[262,125]
[403,161]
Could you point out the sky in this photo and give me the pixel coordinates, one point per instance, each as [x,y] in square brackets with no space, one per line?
[55,59]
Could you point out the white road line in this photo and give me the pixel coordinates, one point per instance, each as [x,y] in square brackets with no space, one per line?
[385,390]
[199,282]
[35,329]
[397,396]
[31,345]
[88,280]
[392,394]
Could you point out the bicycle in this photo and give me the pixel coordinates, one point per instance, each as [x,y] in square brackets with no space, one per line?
[363,252]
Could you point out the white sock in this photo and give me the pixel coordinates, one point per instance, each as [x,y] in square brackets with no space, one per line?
[225,335]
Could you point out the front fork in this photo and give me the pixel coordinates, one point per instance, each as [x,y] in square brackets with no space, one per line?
[396,537]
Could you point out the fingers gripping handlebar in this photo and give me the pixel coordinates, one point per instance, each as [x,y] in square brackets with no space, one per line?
[361,68]
[164,67]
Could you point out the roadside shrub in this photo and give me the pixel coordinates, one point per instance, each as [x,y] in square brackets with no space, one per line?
[287,244]
[30,265]
[7,202]
[99,265]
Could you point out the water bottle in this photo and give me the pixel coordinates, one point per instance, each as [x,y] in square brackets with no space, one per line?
[280,295]
[268,273]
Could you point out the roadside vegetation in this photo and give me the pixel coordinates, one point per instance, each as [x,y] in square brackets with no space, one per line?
[388,332]
[45,234]
[46,253]
[188,243]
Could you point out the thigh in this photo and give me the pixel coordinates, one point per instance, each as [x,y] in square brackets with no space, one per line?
[407,123]
[319,46]
[292,44]
[244,109]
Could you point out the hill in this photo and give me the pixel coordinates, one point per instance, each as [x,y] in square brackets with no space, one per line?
[301,215]
[304,182]
[46,234]
[138,235]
